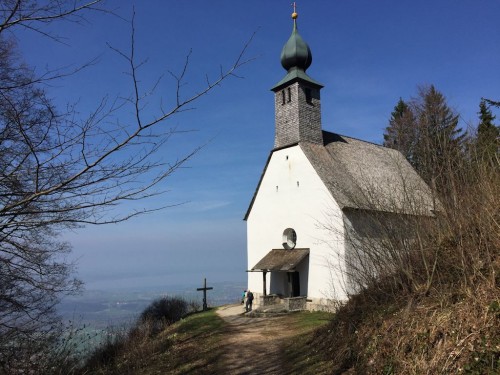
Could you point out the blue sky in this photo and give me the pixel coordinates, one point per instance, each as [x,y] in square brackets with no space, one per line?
[366,53]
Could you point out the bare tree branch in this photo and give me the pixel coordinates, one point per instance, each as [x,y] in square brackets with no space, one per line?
[58,171]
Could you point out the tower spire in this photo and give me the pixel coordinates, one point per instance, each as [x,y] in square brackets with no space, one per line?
[297,96]
[296,57]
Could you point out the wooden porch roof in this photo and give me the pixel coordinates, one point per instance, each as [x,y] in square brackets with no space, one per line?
[281,260]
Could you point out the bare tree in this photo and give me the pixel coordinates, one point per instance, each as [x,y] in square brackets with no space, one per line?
[58,171]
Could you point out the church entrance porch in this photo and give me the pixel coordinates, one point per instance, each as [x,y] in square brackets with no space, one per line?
[286,284]
[288,270]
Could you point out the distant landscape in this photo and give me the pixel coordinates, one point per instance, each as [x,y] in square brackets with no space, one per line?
[100,309]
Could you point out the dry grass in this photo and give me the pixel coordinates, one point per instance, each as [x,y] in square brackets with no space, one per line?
[438,312]
[429,335]
[189,346]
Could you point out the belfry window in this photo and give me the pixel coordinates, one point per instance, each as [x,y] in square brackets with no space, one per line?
[283,97]
[289,90]
[308,93]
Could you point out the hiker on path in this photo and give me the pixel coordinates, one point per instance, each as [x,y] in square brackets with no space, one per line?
[243,297]
[248,306]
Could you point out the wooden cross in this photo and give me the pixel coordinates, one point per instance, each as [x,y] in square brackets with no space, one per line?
[205,307]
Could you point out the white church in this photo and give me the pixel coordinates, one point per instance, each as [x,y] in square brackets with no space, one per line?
[317,194]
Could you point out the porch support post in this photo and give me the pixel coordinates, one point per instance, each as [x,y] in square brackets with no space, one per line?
[264,286]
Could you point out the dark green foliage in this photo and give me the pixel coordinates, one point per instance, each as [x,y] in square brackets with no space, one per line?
[488,135]
[401,132]
[485,114]
[426,132]
[439,148]
[491,102]
[165,309]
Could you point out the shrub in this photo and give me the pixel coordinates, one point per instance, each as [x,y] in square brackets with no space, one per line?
[130,348]
[165,309]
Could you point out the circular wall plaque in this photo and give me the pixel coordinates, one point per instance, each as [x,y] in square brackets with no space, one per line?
[289,238]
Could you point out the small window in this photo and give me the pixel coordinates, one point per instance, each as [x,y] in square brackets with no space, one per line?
[289,94]
[308,93]
[283,97]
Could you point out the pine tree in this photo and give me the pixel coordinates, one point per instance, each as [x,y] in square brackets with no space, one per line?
[492,102]
[400,134]
[425,130]
[439,147]
[488,135]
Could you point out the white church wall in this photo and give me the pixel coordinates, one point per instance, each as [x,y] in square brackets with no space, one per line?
[292,195]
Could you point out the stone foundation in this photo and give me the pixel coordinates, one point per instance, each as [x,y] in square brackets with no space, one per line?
[295,303]
[271,299]
[323,304]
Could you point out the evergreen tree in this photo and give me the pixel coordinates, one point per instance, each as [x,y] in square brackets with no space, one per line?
[488,135]
[492,102]
[400,134]
[438,149]
[426,131]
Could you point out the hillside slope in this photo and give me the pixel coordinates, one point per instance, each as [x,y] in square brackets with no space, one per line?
[450,333]
[205,343]
[371,334]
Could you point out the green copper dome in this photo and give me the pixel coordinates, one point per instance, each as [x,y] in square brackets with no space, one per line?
[296,53]
[296,57]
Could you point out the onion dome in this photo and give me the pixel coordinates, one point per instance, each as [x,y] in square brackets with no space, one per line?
[296,57]
[296,53]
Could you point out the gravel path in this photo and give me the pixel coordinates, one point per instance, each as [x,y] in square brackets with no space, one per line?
[252,345]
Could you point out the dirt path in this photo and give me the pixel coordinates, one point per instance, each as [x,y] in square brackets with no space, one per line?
[252,345]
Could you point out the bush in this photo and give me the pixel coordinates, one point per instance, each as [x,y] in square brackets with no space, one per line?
[165,310]
[132,346]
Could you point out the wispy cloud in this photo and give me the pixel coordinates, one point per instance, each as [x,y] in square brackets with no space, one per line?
[204,206]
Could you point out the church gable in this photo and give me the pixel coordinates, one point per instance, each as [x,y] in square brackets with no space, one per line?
[289,185]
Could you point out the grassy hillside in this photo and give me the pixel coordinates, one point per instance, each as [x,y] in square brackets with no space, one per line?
[194,345]
[372,334]
[184,347]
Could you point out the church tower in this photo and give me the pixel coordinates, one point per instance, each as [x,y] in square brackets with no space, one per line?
[296,96]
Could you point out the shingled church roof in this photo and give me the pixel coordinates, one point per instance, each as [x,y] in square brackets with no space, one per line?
[363,175]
